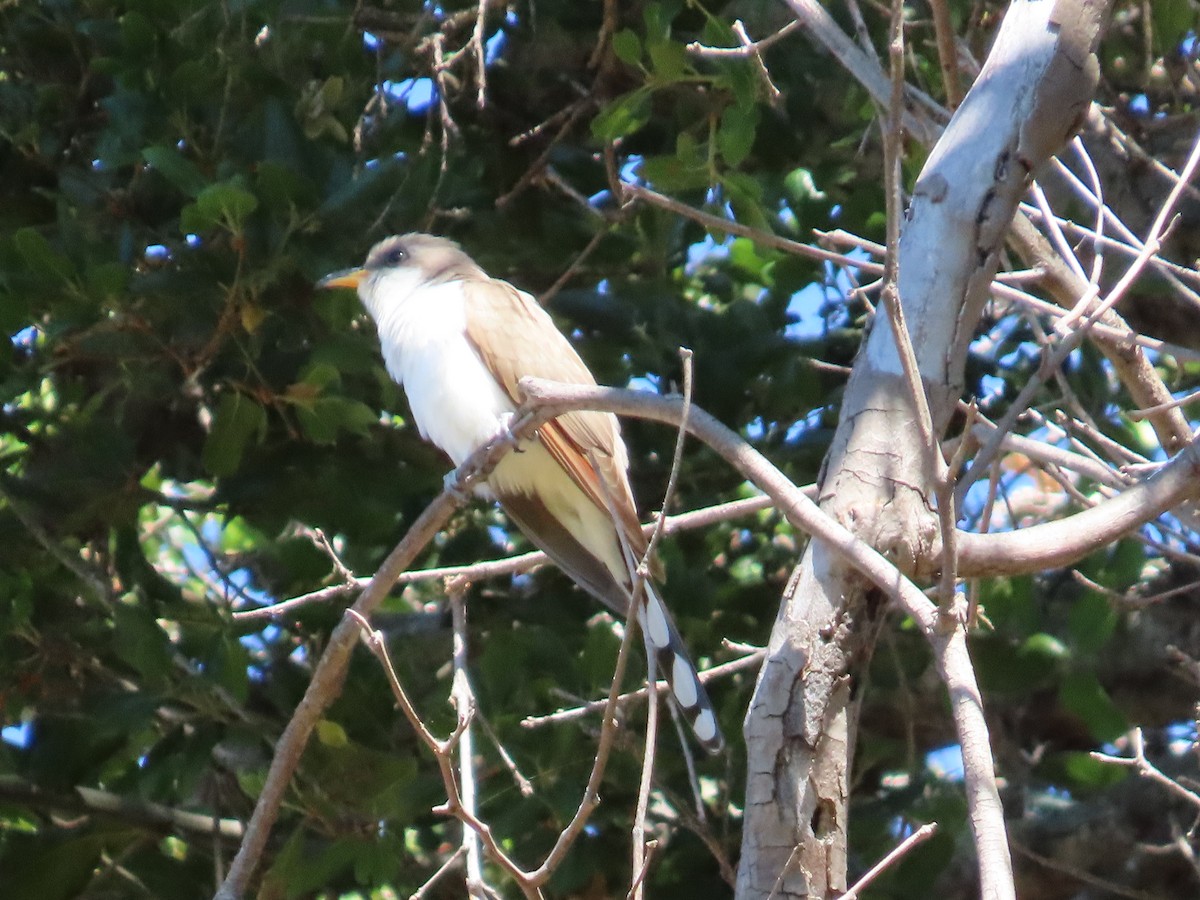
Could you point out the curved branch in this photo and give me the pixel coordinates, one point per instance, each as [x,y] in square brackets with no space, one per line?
[330,672]
[946,635]
[1054,544]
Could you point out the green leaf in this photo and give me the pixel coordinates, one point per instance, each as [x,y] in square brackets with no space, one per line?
[171,164]
[627,46]
[42,259]
[140,642]
[658,17]
[1008,603]
[226,204]
[1092,621]
[107,281]
[322,418]
[668,60]
[746,570]
[50,870]
[238,419]
[321,374]
[675,175]
[1083,695]
[737,132]
[1171,20]
[226,664]
[1087,772]
[800,186]
[1043,646]
[331,734]
[623,116]
[1124,565]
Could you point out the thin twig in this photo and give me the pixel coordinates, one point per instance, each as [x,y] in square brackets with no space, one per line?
[322,542]
[747,48]
[524,785]
[1139,414]
[1085,877]
[443,753]
[635,889]
[1147,769]
[330,671]
[480,55]
[755,658]
[922,834]
[698,518]
[685,357]
[765,239]
[1072,340]
[72,563]
[463,699]
[591,794]
[641,859]
[773,93]
[450,863]
[943,30]
[570,271]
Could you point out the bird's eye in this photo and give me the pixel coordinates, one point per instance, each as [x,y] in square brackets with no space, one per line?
[395,256]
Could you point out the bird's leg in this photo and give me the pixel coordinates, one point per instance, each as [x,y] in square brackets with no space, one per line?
[504,434]
[451,485]
[504,437]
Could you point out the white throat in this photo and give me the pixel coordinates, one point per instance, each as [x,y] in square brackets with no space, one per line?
[456,402]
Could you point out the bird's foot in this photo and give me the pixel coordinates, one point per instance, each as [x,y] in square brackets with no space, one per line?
[504,434]
[454,488]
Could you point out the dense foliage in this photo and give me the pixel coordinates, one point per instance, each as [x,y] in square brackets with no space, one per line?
[182,411]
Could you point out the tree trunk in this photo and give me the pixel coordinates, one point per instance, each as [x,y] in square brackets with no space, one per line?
[878,481]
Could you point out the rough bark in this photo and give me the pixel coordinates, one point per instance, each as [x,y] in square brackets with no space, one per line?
[799,730]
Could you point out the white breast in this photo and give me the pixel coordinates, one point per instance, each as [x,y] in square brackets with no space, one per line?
[455,401]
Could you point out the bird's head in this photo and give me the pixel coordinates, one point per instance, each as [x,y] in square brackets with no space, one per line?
[401,264]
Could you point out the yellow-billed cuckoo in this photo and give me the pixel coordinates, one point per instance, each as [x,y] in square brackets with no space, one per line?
[459,341]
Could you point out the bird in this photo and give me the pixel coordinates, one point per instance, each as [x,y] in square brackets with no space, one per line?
[459,342]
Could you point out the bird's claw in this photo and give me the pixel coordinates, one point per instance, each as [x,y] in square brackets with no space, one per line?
[505,437]
[454,488]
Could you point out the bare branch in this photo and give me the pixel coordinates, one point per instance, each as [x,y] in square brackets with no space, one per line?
[824,30]
[922,834]
[1054,544]
[464,702]
[1147,769]
[1095,311]
[766,239]
[943,30]
[141,813]
[641,858]
[946,634]
[753,659]
[699,518]
[445,867]
[331,669]
[685,356]
[747,48]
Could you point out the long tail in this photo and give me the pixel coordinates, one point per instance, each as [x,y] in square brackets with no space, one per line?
[681,675]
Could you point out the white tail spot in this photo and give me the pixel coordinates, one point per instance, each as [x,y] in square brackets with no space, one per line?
[705,726]
[683,682]
[656,623]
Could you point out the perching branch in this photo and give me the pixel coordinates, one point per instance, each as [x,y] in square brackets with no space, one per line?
[330,672]
[948,643]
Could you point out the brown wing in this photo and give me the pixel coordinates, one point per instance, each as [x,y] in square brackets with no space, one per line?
[515,337]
